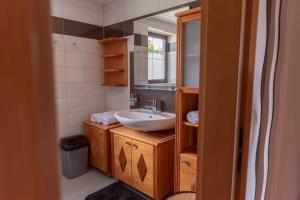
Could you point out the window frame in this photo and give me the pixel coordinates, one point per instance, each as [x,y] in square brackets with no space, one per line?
[165,38]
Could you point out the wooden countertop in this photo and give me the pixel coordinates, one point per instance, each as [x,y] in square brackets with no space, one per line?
[101,126]
[153,138]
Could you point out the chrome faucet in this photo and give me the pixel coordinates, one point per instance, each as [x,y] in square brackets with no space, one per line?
[155,106]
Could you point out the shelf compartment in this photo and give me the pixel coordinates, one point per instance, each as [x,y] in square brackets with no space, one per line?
[113,70]
[113,55]
[189,90]
[190,151]
[190,124]
[112,84]
[115,51]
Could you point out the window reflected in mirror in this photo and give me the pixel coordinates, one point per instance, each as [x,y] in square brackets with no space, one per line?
[155,49]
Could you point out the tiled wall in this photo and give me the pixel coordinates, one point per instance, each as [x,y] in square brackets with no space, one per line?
[78,78]
[121,10]
[78,63]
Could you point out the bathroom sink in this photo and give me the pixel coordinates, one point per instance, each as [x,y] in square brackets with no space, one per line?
[145,120]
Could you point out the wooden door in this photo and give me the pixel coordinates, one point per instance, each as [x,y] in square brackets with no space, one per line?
[142,167]
[122,158]
[97,147]
[28,140]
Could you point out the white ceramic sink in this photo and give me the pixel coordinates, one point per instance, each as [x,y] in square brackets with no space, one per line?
[145,120]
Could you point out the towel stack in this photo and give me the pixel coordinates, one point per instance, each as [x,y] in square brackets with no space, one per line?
[193,117]
[105,118]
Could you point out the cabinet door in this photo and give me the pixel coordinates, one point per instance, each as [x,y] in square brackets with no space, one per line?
[97,141]
[191,53]
[188,167]
[122,158]
[142,167]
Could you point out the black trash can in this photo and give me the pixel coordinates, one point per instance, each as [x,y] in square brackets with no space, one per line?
[74,156]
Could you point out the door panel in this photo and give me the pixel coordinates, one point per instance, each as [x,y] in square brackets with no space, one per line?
[142,167]
[122,158]
[97,147]
[188,169]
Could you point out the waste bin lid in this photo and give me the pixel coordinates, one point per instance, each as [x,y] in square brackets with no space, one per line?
[73,142]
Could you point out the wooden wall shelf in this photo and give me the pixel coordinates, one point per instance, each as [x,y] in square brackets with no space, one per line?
[190,124]
[189,90]
[111,40]
[115,54]
[114,70]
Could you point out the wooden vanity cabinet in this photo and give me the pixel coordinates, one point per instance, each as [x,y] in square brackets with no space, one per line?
[99,138]
[144,161]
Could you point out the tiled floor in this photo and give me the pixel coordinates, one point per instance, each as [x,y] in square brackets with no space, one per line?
[78,188]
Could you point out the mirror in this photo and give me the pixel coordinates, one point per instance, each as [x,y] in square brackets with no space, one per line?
[155,49]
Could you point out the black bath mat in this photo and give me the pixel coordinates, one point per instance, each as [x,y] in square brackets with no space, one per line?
[115,191]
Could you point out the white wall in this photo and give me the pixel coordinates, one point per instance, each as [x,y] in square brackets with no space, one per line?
[86,11]
[120,10]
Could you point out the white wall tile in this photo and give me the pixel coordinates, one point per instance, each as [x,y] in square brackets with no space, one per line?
[58,42]
[60,74]
[96,103]
[56,8]
[76,90]
[59,58]
[92,74]
[77,104]
[72,43]
[91,46]
[94,88]
[61,106]
[81,14]
[60,90]
[75,59]
[74,74]
[76,118]
[62,121]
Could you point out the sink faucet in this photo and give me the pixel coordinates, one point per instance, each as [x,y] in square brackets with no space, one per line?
[155,106]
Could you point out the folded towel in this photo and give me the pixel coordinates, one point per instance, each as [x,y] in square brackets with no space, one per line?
[193,117]
[105,118]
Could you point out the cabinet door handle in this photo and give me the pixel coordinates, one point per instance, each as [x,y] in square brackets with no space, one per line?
[128,143]
[134,145]
[185,162]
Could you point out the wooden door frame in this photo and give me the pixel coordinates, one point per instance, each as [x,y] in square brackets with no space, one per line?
[216,178]
[28,142]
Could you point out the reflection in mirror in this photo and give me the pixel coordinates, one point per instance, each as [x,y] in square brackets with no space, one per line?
[155,49]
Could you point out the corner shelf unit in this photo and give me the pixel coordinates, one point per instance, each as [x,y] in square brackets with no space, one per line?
[187,98]
[115,61]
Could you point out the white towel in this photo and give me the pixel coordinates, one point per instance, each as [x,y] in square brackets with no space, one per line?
[105,118]
[193,117]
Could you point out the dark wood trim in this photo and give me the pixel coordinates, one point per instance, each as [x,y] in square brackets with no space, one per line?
[220,81]
[247,91]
